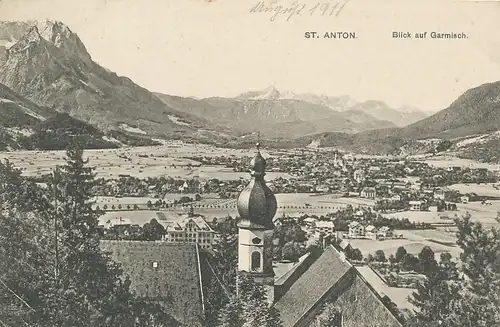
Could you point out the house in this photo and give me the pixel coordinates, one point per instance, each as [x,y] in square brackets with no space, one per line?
[415,205]
[310,222]
[395,198]
[368,193]
[326,227]
[385,232]
[371,231]
[464,199]
[322,188]
[433,208]
[191,230]
[444,216]
[359,175]
[118,222]
[359,213]
[439,194]
[184,187]
[356,230]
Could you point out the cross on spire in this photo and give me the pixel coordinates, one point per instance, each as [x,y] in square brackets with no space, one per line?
[258,141]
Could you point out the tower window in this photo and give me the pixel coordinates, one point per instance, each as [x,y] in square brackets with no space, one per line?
[255,261]
[256,240]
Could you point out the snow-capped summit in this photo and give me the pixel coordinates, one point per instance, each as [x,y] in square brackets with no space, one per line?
[269,93]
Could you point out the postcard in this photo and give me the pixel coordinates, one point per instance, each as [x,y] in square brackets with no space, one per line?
[251,163]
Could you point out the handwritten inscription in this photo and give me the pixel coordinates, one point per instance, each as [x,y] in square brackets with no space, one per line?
[276,10]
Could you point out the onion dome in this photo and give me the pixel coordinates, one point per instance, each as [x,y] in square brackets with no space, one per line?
[257,203]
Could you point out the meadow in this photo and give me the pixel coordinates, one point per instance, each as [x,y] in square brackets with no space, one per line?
[439,240]
[444,161]
[168,160]
[489,189]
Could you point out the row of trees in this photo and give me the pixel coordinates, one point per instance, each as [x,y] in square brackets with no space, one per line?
[52,269]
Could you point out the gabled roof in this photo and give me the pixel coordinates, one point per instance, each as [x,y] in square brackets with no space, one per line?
[354,224]
[344,244]
[310,288]
[326,224]
[370,228]
[168,273]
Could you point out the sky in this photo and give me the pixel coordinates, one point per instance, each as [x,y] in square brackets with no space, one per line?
[207,48]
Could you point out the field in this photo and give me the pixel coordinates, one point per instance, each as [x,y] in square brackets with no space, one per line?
[211,206]
[480,189]
[485,214]
[167,160]
[438,240]
[444,161]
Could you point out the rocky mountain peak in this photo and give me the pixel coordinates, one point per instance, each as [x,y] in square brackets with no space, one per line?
[28,42]
[54,32]
[269,93]
[27,35]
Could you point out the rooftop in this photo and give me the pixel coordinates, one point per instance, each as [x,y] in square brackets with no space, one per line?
[163,272]
[311,286]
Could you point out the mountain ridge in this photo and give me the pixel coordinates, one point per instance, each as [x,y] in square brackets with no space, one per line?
[48,64]
[474,117]
[400,116]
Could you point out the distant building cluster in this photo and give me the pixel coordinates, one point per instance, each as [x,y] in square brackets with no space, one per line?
[358,230]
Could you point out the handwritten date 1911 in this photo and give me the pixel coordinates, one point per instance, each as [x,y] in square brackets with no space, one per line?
[275,9]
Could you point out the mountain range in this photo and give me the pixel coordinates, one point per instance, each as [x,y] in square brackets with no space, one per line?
[401,116]
[47,74]
[287,115]
[26,125]
[469,125]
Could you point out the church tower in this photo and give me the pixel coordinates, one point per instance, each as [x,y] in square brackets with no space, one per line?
[257,207]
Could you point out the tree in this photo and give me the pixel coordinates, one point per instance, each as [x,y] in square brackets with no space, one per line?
[400,254]
[88,288]
[355,254]
[428,262]
[153,230]
[291,251]
[250,307]
[447,300]
[380,256]
[392,259]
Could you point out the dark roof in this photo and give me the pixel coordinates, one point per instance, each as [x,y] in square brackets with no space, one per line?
[361,306]
[175,281]
[312,286]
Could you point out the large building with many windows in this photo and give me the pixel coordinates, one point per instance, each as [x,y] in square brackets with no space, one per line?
[190,229]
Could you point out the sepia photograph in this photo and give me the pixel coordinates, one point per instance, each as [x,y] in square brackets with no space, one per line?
[250,163]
